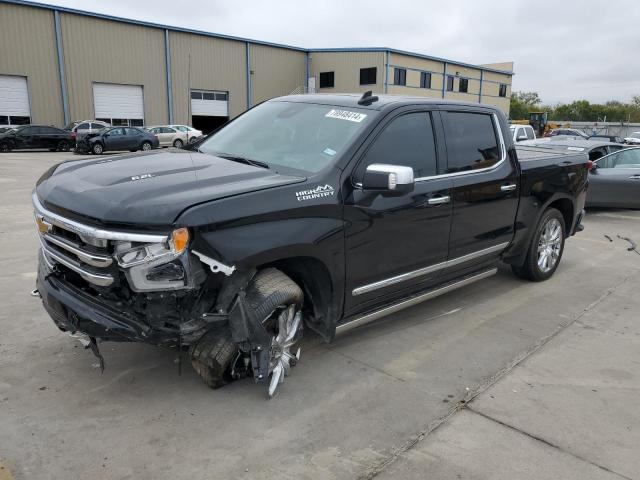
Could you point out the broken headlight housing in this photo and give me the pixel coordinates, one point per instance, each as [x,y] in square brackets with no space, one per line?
[156,266]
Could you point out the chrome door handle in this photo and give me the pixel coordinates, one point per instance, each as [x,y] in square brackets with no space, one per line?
[510,187]
[439,200]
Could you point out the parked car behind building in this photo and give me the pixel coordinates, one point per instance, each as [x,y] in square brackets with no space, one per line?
[117,138]
[30,137]
[169,136]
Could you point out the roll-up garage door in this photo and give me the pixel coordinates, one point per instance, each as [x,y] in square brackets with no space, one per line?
[118,104]
[14,100]
[209,104]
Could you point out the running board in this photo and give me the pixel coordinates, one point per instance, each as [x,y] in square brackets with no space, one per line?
[370,317]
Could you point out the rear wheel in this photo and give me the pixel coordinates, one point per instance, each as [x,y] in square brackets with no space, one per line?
[178,143]
[545,250]
[146,146]
[97,149]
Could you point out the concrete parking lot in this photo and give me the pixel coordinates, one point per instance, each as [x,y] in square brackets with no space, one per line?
[503,379]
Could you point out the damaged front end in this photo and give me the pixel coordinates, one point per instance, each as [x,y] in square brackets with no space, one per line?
[152,288]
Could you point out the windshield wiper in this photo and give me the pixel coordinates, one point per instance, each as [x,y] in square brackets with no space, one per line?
[239,159]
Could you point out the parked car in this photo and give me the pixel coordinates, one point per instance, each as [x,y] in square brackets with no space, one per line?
[520,133]
[169,136]
[6,128]
[573,132]
[192,133]
[82,128]
[325,210]
[117,138]
[595,149]
[607,138]
[633,139]
[29,137]
[614,180]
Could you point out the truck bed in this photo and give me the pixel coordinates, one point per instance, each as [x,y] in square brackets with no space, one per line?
[534,157]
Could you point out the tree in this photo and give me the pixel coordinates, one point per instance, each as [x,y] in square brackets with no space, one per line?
[528,98]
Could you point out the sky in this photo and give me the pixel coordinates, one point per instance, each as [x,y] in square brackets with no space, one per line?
[563,50]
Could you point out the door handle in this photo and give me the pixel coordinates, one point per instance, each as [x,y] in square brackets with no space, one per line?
[439,200]
[509,187]
[635,177]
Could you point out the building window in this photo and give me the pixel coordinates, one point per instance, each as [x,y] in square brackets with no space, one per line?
[463,85]
[327,79]
[14,120]
[449,83]
[122,122]
[368,76]
[399,76]
[425,80]
[503,90]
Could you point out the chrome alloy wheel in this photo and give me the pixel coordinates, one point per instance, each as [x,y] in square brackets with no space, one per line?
[281,358]
[549,245]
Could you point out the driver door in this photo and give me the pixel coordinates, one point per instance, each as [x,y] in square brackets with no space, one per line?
[616,180]
[115,139]
[396,244]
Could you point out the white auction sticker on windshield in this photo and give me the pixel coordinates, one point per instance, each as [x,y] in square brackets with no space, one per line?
[346,115]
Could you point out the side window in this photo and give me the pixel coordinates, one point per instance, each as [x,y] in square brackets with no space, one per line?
[450,83]
[368,76]
[132,131]
[408,141]
[463,85]
[471,141]
[502,91]
[327,79]
[597,153]
[425,80]
[83,126]
[530,133]
[628,159]
[30,131]
[96,126]
[399,76]
[116,132]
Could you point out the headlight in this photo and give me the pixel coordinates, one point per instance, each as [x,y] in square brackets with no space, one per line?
[155,266]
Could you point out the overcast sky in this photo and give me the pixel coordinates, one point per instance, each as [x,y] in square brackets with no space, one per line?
[563,50]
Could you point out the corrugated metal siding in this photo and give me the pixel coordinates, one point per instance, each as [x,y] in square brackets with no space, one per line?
[30,34]
[346,66]
[97,50]
[216,64]
[276,72]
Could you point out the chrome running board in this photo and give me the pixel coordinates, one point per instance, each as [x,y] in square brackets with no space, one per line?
[370,317]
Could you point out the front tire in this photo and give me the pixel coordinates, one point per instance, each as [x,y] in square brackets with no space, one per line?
[146,146]
[5,147]
[546,248]
[97,149]
[63,146]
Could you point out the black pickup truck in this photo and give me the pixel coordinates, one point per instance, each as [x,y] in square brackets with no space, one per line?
[327,211]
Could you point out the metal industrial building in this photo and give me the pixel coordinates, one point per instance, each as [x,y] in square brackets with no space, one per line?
[58,64]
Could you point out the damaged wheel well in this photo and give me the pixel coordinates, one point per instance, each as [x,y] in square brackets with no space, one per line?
[315,280]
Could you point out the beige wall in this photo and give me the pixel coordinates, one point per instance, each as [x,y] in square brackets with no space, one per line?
[346,66]
[216,64]
[33,56]
[97,50]
[276,72]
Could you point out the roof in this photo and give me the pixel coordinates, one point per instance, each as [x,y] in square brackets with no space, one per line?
[351,100]
[241,39]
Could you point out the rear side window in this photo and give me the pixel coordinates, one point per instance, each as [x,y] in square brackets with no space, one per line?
[408,141]
[132,131]
[471,141]
[530,134]
[96,126]
[83,126]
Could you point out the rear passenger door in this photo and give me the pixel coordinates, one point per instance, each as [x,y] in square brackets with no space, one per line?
[133,138]
[397,244]
[485,188]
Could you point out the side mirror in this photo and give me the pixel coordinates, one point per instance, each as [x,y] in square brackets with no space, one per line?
[593,167]
[388,178]
[520,138]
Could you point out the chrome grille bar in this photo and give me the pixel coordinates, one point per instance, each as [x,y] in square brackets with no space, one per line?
[101,279]
[89,258]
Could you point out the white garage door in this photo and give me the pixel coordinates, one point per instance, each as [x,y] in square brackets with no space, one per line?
[118,104]
[209,104]
[14,100]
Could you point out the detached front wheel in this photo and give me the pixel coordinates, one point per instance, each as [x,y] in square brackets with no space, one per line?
[275,299]
[546,248]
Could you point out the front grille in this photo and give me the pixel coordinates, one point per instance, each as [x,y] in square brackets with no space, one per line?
[83,249]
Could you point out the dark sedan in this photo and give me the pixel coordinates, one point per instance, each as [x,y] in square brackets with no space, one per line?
[30,137]
[614,180]
[117,138]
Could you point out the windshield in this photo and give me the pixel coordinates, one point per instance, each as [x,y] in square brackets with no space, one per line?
[300,136]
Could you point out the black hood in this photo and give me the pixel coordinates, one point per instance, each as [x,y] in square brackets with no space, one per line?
[149,189]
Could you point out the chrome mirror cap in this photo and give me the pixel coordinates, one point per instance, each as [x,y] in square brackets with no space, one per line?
[388,178]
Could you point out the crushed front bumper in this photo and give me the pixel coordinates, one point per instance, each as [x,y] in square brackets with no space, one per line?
[73,310]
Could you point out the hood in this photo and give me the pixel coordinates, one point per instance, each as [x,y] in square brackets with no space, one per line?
[149,189]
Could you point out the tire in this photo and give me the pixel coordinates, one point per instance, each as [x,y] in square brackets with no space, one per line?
[5,147]
[63,146]
[146,146]
[544,242]
[178,143]
[212,355]
[97,148]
